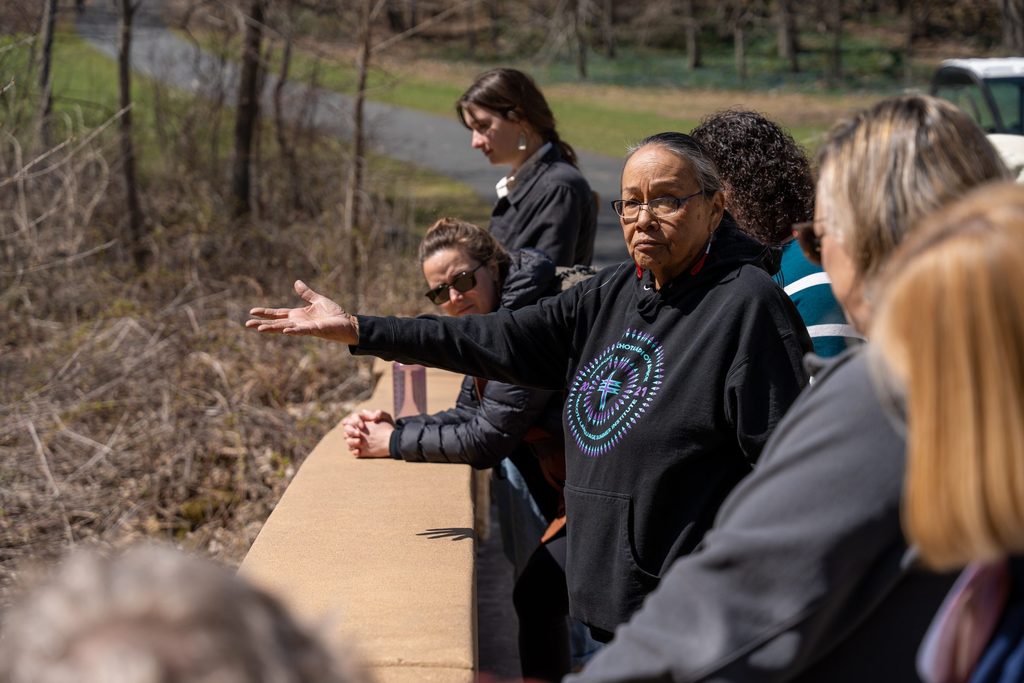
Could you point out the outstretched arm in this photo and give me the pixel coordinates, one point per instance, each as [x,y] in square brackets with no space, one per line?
[321,318]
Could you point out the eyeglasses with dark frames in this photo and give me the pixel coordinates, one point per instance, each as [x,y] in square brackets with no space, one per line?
[462,283]
[809,240]
[660,207]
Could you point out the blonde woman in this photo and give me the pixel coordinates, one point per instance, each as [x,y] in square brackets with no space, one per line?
[803,575]
[951,332]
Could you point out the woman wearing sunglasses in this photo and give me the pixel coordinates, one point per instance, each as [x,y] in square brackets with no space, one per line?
[513,429]
[953,303]
[806,574]
[544,202]
[678,364]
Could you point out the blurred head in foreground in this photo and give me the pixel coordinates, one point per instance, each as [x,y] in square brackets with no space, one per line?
[154,615]
[950,327]
[882,171]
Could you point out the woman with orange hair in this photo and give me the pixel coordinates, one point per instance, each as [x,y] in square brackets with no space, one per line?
[950,333]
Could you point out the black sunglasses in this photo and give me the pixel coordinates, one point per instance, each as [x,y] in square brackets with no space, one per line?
[809,241]
[463,282]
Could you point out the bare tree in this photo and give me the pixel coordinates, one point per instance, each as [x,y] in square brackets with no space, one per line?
[608,28]
[691,29]
[912,28]
[397,15]
[740,21]
[46,61]
[127,10]
[1013,25]
[581,9]
[285,147]
[494,15]
[354,189]
[832,10]
[788,44]
[247,116]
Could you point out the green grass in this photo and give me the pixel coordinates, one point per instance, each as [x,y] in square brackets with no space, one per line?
[428,196]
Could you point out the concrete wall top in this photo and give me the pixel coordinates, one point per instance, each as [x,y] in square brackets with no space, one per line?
[380,552]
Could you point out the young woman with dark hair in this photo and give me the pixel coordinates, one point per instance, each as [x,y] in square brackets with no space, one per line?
[544,202]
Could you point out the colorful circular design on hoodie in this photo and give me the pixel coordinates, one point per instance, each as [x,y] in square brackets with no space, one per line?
[612,391]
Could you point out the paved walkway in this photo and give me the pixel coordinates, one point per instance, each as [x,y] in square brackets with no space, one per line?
[437,143]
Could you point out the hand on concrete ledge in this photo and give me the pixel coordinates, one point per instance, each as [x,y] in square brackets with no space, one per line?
[321,318]
[368,433]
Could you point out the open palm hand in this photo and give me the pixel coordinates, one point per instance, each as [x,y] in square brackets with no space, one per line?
[321,318]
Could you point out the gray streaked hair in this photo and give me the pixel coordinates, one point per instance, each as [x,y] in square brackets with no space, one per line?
[886,167]
[155,615]
[688,149]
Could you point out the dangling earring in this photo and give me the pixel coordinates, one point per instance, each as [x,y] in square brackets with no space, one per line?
[522,141]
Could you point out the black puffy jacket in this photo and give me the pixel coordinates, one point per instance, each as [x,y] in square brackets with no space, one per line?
[481,432]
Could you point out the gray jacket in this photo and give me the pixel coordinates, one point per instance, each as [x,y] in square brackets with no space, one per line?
[804,574]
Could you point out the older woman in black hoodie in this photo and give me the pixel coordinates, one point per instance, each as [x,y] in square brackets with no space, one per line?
[678,365]
[806,575]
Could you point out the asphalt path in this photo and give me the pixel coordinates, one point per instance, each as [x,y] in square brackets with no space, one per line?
[436,143]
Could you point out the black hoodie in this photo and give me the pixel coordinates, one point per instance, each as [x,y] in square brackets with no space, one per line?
[672,393]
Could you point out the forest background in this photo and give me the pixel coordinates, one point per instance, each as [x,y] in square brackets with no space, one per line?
[138,222]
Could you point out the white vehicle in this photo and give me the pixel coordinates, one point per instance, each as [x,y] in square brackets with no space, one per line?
[990,90]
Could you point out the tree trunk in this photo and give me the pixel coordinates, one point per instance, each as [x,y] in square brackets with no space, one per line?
[45,65]
[248,110]
[494,14]
[868,7]
[787,35]
[608,28]
[354,190]
[836,48]
[740,45]
[471,28]
[397,14]
[1013,25]
[908,56]
[580,31]
[286,147]
[124,78]
[691,29]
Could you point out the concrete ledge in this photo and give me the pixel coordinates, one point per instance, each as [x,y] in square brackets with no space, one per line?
[380,551]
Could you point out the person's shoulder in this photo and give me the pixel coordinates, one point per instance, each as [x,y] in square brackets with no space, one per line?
[840,417]
[749,285]
[852,368]
[848,388]
[561,172]
[599,285]
[531,275]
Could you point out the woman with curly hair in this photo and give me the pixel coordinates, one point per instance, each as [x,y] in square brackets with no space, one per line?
[768,188]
